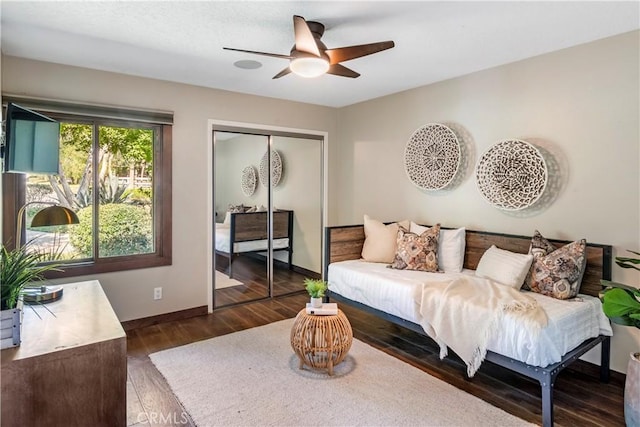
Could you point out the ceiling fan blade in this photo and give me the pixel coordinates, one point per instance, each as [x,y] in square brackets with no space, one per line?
[341,54]
[274,55]
[341,70]
[282,73]
[305,42]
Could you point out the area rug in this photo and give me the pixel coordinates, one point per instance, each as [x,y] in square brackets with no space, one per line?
[223,281]
[251,378]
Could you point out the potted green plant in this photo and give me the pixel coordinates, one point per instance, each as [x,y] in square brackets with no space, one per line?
[621,304]
[316,289]
[19,268]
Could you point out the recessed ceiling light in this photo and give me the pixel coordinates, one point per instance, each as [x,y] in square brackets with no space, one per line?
[247,64]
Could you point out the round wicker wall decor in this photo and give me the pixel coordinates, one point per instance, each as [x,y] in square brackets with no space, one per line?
[511,175]
[432,156]
[249,181]
[276,169]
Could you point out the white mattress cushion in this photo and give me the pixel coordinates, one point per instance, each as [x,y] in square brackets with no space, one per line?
[393,291]
[398,292]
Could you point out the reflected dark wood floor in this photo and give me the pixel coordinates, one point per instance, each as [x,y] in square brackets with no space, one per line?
[252,272]
[580,399]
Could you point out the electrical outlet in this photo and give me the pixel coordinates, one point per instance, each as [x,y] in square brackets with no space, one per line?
[157,293]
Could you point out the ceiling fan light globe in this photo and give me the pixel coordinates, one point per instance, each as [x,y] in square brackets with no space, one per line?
[309,66]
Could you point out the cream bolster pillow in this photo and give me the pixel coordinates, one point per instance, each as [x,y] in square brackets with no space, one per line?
[380,240]
[451,244]
[505,267]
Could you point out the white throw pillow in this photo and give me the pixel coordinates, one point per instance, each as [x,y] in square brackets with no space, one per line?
[380,240]
[451,244]
[227,218]
[505,267]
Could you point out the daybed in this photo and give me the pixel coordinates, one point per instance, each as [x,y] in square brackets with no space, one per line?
[394,295]
[247,232]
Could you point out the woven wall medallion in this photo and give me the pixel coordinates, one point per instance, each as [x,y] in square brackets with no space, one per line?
[249,180]
[511,175]
[276,169]
[432,156]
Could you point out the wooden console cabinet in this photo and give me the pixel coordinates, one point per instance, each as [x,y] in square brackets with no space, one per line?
[71,368]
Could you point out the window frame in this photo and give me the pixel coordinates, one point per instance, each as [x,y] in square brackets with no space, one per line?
[14,192]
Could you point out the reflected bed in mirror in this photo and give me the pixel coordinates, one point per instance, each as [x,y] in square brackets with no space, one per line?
[247,233]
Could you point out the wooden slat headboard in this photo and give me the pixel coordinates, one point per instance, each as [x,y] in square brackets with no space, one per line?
[250,226]
[345,243]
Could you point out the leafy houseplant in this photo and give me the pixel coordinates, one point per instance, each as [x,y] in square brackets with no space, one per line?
[18,268]
[316,289]
[621,303]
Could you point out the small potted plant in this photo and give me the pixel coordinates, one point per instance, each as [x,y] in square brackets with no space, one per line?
[19,268]
[621,304]
[316,289]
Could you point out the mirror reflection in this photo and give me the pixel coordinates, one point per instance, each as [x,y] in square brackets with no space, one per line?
[242,170]
[240,221]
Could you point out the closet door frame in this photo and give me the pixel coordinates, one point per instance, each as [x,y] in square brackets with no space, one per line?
[270,132]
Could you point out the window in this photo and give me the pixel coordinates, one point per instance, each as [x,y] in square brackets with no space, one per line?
[116,175]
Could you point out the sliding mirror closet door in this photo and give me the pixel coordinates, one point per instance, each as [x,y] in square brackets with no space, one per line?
[297,201]
[241,219]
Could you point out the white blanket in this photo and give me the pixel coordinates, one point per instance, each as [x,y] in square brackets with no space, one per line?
[462,313]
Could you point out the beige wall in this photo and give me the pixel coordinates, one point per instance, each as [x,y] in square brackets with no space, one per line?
[232,156]
[580,104]
[185,282]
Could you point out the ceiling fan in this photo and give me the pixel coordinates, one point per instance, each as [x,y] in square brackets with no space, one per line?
[309,57]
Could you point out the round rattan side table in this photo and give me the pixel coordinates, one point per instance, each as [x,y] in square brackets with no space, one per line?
[321,342]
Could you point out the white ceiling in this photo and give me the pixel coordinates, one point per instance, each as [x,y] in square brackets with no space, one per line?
[182,41]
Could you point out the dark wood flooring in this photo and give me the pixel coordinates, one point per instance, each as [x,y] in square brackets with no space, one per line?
[251,270]
[580,399]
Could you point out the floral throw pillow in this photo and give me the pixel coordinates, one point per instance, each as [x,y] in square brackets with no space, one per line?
[556,272]
[417,252]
